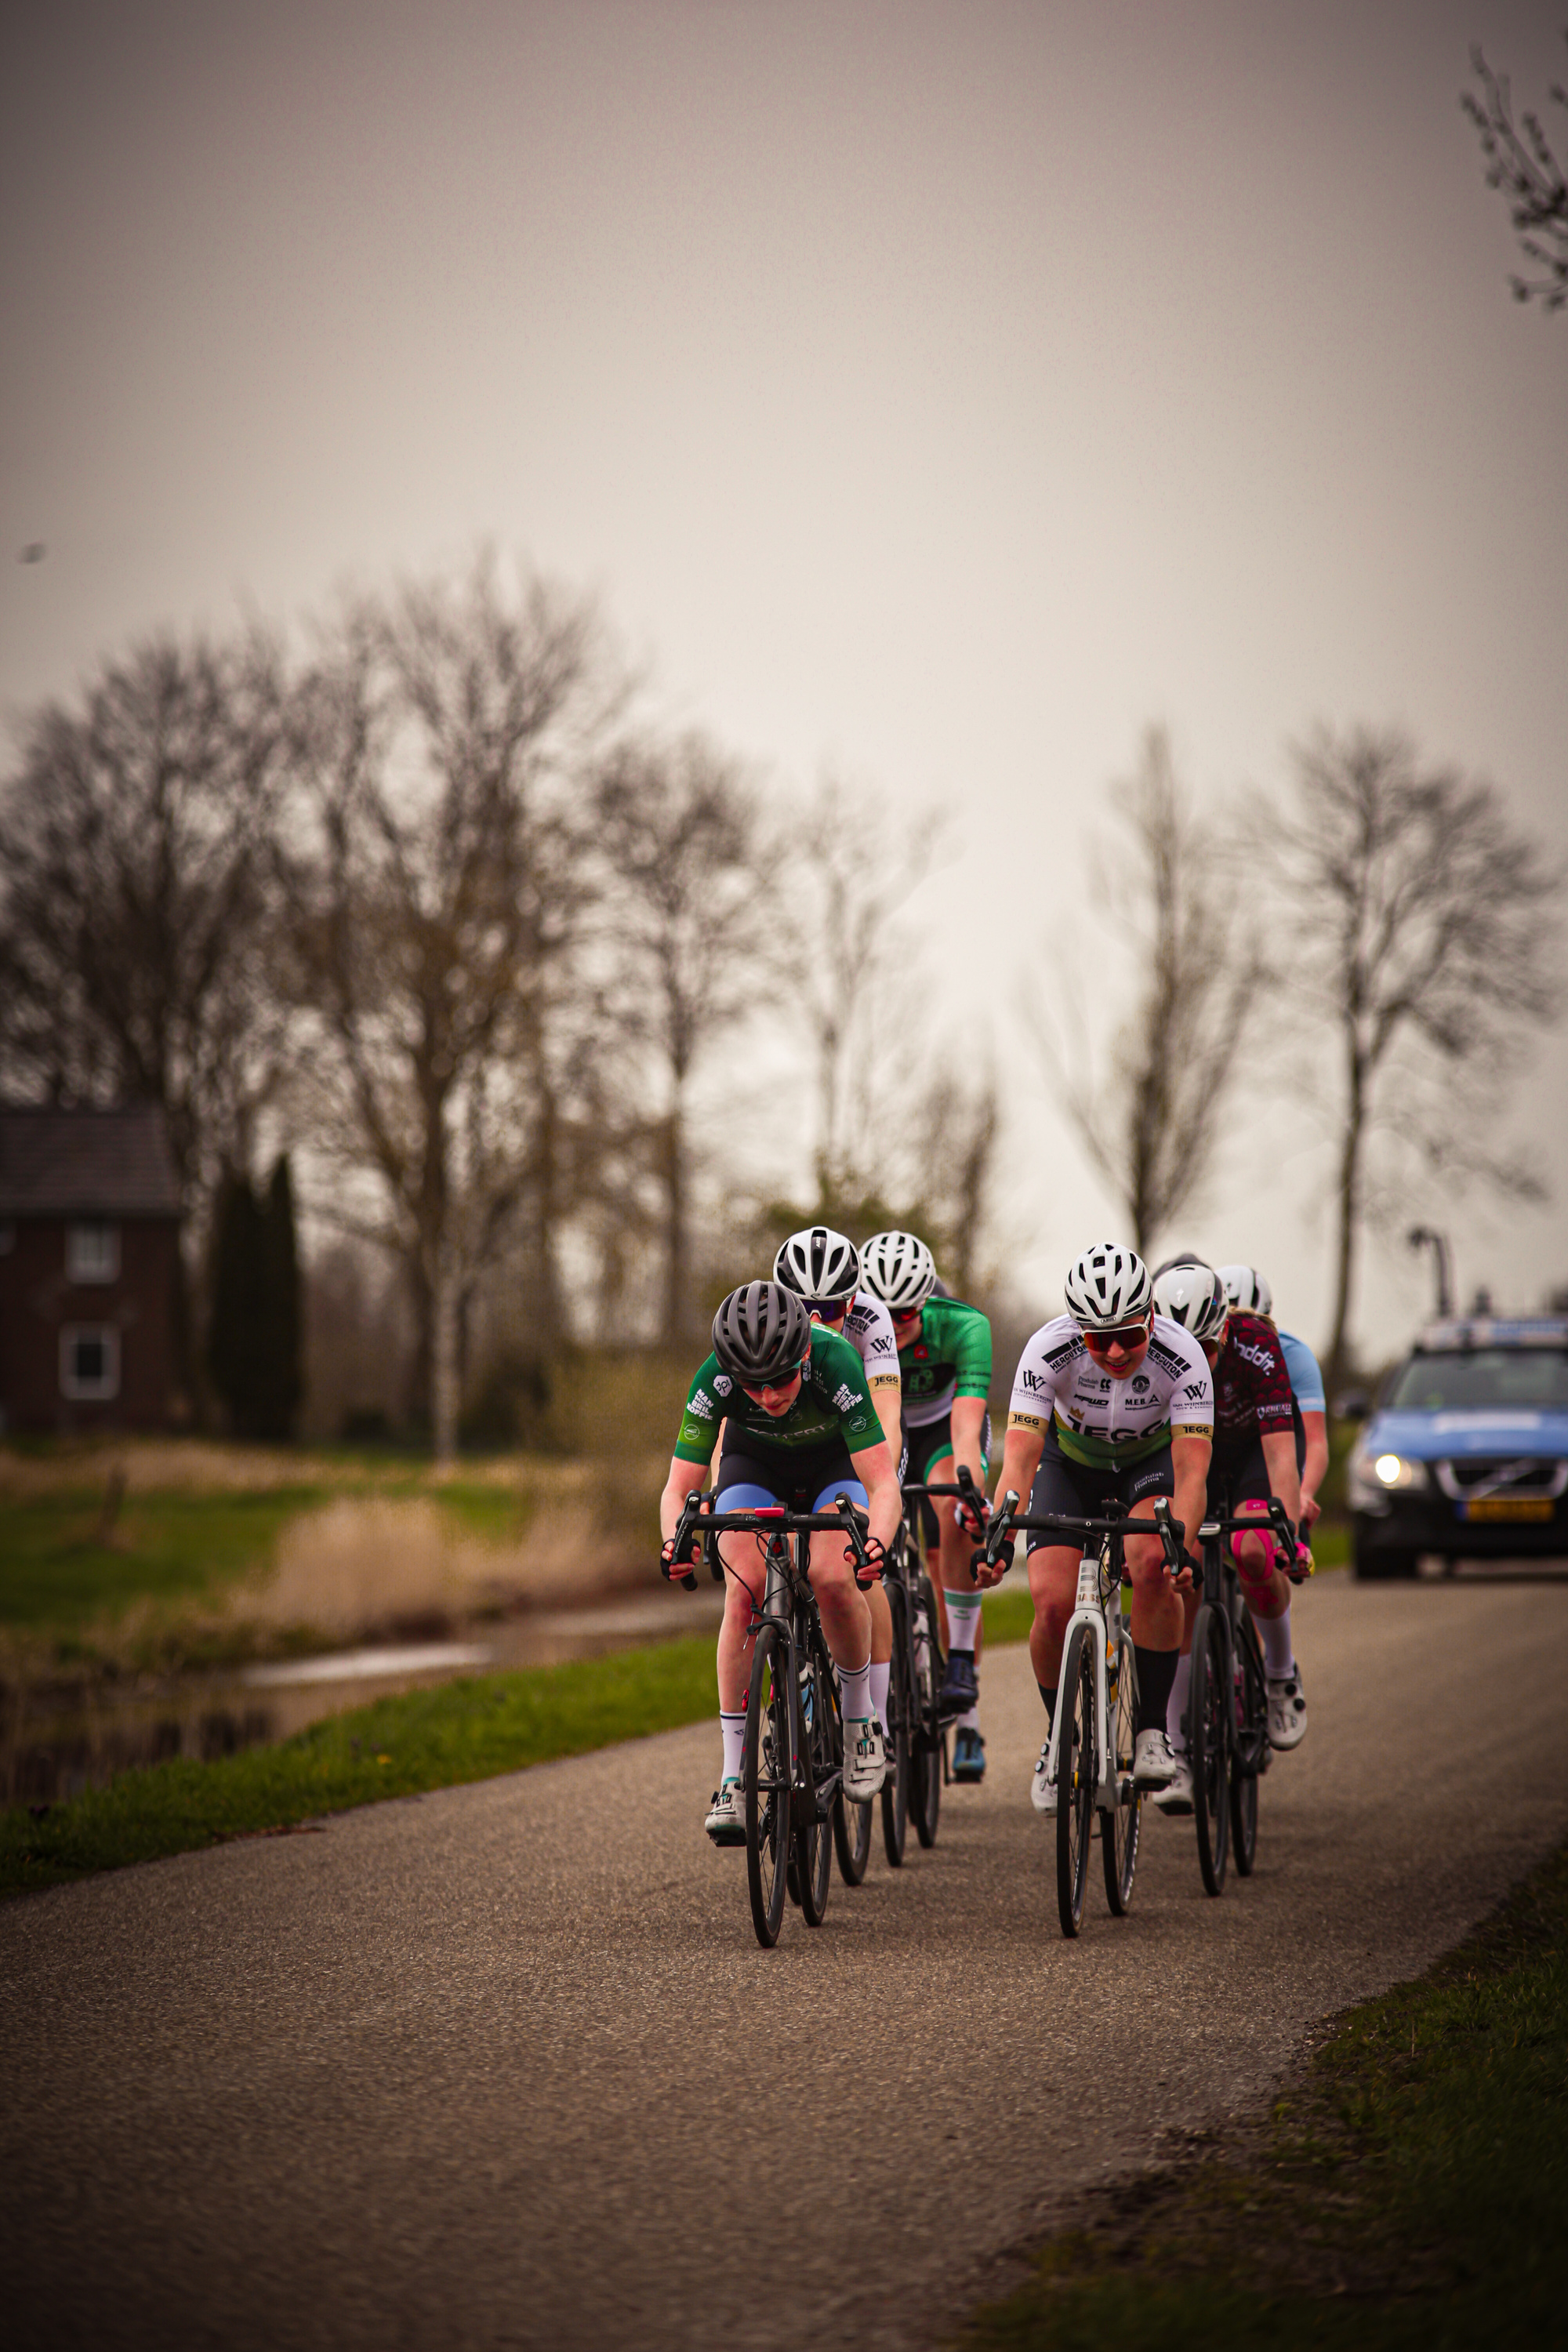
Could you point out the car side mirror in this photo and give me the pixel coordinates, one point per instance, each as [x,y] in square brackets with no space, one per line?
[1353,1405]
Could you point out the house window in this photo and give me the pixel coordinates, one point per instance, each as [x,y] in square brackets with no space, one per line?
[92,1252]
[89,1361]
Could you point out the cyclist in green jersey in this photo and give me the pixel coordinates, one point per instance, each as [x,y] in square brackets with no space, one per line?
[945,1366]
[800,1429]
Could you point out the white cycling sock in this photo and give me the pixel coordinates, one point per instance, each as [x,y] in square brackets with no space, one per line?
[970,1720]
[1178,1706]
[1278,1657]
[963,1620]
[856,1690]
[733,1727]
[880,1676]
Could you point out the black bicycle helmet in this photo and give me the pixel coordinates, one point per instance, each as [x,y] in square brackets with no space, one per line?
[762,1333]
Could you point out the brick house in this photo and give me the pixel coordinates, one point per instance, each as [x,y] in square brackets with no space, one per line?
[90,1241]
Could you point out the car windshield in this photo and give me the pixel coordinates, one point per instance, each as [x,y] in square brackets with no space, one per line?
[1532,1378]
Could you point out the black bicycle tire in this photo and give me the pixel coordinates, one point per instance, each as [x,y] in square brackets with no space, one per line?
[1208,1742]
[1252,1743]
[930,1743]
[1075,1779]
[1118,1826]
[768,1842]
[813,1829]
[896,1787]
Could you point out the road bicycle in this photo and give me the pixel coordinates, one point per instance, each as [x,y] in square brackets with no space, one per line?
[1226,1721]
[917,1733]
[793,1768]
[1089,1754]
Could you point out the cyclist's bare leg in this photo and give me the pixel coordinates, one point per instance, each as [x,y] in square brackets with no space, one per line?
[841,1605]
[1265,1586]
[743,1556]
[1053,1588]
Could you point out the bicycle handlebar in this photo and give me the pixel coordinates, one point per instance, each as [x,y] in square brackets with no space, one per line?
[764,1519]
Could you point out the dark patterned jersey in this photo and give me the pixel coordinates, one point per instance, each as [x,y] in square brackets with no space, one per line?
[1252,1387]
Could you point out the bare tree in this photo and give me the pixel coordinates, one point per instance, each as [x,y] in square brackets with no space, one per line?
[134,909]
[681,830]
[440,747]
[1419,926]
[1521,163]
[853,969]
[1150,1127]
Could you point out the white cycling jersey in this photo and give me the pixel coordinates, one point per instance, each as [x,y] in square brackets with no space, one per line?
[868,1327]
[1099,1421]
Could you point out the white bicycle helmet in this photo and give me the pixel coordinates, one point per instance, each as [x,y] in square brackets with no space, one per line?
[1246,1289]
[1108,1286]
[818,1263]
[898,1269]
[1194,1296]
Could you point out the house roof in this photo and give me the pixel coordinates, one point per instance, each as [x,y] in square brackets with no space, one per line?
[86,1163]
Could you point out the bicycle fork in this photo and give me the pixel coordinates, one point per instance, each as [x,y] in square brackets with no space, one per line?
[1102,1629]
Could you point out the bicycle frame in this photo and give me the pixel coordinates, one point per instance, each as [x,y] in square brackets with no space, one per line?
[788,1602]
[1098,1607]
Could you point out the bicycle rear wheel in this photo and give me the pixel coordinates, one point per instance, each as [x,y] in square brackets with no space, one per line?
[814,1831]
[852,1837]
[1251,1744]
[766,1772]
[929,1739]
[1209,1742]
[1118,1828]
[1076,1765]
[896,1787]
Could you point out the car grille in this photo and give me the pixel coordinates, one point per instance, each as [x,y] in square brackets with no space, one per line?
[1475,1475]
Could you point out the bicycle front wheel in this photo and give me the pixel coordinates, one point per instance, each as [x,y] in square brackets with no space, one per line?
[929,1738]
[1118,1826]
[824,1748]
[766,1772]
[1076,1773]
[1209,1705]
[1251,1744]
[896,1787]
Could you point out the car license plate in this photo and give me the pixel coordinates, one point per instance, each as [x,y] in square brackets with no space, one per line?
[1507,1506]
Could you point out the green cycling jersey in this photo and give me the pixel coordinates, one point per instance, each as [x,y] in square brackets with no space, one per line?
[833,1406]
[948,1356]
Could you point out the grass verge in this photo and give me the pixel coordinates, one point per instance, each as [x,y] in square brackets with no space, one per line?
[1408,2190]
[394,1747]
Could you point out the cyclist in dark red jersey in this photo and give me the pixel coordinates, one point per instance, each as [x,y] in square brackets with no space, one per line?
[1254,1459]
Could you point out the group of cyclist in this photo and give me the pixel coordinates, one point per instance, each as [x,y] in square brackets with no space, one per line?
[851,1371]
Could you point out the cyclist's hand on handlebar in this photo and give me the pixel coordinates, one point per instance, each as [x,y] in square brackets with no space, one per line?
[1303,1565]
[970,1513]
[868,1569]
[987,1571]
[670,1567]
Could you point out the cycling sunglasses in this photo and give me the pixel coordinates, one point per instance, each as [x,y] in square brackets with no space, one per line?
[763,1388]
[828,1308]
[1126,1336]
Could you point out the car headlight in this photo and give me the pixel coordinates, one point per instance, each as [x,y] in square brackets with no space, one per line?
[1375,1476]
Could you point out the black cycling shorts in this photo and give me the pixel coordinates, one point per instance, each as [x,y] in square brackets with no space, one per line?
[1238,1474]
[1077,1490]
[796,1480]
[925,1445]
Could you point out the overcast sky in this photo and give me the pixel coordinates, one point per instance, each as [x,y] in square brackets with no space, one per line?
[942,392]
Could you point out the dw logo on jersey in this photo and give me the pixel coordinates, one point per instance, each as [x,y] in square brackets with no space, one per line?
[1196,1391]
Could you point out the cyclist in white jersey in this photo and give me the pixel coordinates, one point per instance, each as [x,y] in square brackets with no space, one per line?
[1111,1403]
[823,1268]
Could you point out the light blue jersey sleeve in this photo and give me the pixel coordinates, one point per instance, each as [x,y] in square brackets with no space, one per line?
[1306,1380]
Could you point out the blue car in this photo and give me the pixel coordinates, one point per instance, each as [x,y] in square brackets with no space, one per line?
[1465,1455]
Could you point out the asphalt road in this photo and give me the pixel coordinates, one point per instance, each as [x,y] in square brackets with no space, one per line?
[505,2065]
